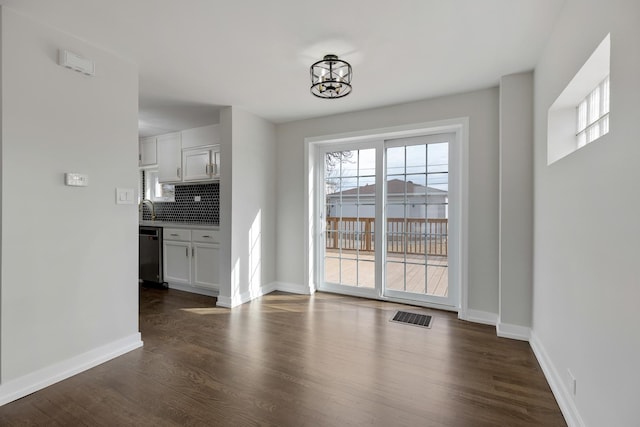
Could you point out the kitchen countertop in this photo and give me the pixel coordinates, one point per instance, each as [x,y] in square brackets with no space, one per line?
[192,225]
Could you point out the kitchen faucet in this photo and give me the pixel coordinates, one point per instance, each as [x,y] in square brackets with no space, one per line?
[153,208]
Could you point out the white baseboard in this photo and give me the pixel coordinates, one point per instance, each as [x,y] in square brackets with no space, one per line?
[557,384]
[269,287]
[477,316]
[514,332]
[230,302]
[223,301]
[30,383]
[194,289]
[293,288]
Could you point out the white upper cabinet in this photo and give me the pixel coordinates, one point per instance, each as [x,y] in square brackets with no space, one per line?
[215,161]
[198,137]
[196,164]
[169,157]
[201,164]
[190,155]
[147,150]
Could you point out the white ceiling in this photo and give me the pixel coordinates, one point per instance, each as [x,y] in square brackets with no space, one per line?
[197,55]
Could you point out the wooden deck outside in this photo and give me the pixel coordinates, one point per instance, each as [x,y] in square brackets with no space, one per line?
[410,235]
[361,272]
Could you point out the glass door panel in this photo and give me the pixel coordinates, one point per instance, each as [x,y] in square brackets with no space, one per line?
[416,207]
[350,204]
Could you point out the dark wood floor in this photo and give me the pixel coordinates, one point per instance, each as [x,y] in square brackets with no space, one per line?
[290,360]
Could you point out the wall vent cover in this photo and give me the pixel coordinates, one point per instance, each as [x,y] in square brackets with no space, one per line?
[413,319]
[76,62]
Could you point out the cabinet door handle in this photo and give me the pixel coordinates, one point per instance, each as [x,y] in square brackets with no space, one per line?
[178,172]
[193,251]
[206,236]
[174,234]
[187,248]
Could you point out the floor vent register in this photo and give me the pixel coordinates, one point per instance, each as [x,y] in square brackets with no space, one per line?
[422,320]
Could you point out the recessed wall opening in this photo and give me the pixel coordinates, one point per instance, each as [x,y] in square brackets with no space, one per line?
[580,114]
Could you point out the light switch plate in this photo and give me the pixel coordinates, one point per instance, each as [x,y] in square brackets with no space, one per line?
[124,196]
[76,179]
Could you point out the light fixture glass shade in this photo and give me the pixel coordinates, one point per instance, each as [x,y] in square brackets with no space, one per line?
[331,77]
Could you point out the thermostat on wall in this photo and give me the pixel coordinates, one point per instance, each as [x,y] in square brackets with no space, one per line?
[76,179]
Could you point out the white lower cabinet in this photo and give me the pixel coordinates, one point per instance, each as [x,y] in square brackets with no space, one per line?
[177,262]
[206,256]
[191,258]
[205,265]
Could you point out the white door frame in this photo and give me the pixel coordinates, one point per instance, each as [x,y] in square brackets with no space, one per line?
[459,162]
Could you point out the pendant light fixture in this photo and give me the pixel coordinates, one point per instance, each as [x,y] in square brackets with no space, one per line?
[331,77]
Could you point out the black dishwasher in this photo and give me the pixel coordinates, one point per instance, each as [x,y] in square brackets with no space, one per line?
[150,256]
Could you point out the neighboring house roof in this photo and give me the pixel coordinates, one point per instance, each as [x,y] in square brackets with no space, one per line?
[394,186]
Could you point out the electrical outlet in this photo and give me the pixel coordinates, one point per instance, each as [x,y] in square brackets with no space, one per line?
[571,383]
[196,198]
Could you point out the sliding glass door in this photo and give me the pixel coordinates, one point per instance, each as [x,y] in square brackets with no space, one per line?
[384,219]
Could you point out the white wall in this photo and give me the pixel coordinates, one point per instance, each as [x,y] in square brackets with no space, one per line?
[586,287]
[516,204]
[252,208]
[226,184]
[69,267]
[482,109]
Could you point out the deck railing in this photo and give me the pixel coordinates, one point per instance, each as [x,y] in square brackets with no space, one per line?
[411,235]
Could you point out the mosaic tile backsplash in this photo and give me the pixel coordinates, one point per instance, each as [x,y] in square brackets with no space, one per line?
[185,209]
